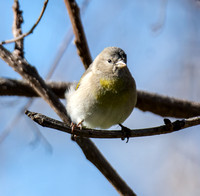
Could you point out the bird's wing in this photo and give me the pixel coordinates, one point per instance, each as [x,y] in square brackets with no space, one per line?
[84,75]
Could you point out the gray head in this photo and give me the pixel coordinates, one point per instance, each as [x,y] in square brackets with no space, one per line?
[111,60]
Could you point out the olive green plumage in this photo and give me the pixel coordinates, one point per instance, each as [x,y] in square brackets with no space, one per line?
[105,94]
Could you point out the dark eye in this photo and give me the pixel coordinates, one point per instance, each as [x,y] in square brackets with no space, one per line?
[109,61]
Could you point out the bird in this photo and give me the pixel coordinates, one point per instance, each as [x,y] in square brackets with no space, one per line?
[106,93]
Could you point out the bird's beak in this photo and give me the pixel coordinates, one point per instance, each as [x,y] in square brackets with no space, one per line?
[121,64]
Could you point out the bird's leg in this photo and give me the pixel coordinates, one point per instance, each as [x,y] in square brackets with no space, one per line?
[125,132]
[80,125]
[73,125]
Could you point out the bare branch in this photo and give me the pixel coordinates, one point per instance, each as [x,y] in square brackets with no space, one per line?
[80,39]
[91,153]
[94,133]
[158,104]
[30,74]
[17,31]
[22,88]
[31,30]
[167,106]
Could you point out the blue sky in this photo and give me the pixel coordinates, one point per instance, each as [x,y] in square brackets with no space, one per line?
[165,62]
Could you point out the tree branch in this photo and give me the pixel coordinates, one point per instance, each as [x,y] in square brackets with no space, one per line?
[94,133]
[19,37]
[16,29]
[155,103]
[167,106]
[94,156]
[22,88]
[80,39]
[30,74]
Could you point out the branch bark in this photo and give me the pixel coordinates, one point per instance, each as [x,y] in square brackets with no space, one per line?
[94,133]
[80,39]
[16,29]
[22,88]
[167,106]
[91,152]
[155,103]
[30,74]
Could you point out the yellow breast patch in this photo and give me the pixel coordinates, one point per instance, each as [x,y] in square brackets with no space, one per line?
[112,93]
[111,84]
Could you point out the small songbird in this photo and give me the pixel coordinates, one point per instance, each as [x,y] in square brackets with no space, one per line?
[105,94]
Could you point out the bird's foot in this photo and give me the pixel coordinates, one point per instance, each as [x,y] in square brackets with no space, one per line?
[73,126]
[125,132]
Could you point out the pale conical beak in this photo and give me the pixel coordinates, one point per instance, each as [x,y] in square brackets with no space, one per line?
[121,64]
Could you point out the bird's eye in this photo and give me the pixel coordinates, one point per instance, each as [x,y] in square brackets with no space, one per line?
[109,61]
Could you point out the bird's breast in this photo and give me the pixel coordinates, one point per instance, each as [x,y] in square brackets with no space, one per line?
[111,85]
[112,92]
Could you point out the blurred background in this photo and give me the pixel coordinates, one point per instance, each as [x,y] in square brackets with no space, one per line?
[162,42]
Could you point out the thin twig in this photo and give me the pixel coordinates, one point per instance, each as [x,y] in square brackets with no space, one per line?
[31,30]
[158,104]
[94,133]
[80,39]
[16,29]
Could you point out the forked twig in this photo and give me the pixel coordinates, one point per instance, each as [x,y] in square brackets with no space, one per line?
[31,30]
